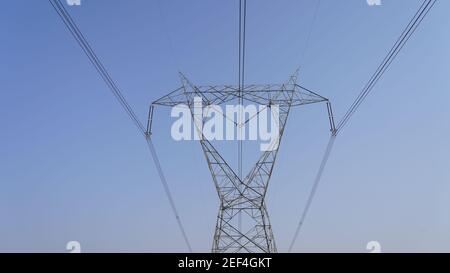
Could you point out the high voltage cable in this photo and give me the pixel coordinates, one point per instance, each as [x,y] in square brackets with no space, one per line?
[424,9]
[308,37]
[241,70]
[81,40]
[312,194]
[241,81]
[85,46]
[426,6]
[173,54]
[167,190]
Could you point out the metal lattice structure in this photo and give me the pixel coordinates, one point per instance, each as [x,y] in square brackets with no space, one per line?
[242,198]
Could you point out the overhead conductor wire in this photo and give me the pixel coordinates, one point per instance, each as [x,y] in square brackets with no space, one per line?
[93,58]
[421,13]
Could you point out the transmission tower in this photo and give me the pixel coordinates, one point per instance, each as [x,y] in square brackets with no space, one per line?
[241,197]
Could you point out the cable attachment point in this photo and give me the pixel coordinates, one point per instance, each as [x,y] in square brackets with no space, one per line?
[148,133]
[331,119]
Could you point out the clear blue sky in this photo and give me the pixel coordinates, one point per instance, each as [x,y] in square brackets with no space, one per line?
[73,167]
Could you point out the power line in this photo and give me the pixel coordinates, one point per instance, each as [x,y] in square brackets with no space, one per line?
[241,70]
[244,32]
[424,9]
[241,81]
[167,190]
[426,6]
[312,194]
[81,40]
[308,37]
[173,56]
[87,49]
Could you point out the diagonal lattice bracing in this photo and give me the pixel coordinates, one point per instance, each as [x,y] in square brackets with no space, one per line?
[243,223]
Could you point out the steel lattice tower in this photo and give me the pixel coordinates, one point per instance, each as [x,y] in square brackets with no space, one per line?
[244,197]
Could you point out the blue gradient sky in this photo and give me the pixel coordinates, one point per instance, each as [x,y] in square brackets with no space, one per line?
[73,167]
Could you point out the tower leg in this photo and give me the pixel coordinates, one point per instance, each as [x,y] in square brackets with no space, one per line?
[255,234]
